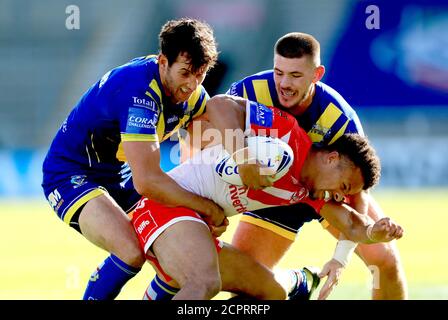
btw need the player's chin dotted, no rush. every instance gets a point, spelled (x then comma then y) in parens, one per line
(183, 96)
(287, 103)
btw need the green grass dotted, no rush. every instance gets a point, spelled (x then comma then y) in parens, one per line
(41, 258)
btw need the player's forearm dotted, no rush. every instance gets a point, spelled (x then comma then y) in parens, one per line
(352, 224)
(198, 135)
(227, 115)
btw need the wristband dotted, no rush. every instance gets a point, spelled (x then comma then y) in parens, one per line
(344, 250)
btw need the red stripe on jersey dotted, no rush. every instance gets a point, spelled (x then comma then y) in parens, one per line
(287, 129)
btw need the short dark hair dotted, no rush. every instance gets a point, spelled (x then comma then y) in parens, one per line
(359, 151)
(297, 45)
(190, 36)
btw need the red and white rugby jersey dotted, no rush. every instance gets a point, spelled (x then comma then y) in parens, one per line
(198, 174)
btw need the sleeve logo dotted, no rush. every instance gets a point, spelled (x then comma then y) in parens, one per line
(141, 121)
(260, 115)
(141, 102)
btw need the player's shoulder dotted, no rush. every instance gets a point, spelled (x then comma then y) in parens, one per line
(140, 67)
(262, 75)
(327, 95)
(136, 72)
(328, 103)
(265, 74)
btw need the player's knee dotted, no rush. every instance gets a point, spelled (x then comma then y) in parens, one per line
(386, 265)
(389, 266)
(131, 254)
(212, 286)
(206, 286)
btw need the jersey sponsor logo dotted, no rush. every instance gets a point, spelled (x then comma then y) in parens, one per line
(141, 204)
(225, 169)
(172, 119)
(125, 174)
(260, 115)
(319, 130)
(78, 181)
(64, 126)
(299, 195)
(142, 122)
(55, 200)
(237, 199)
(104, 79)
(222, 168)
(140, 119)
(232, 91)
(141, 102)
(280, 113)
(95, 275)
(142, 226)
(144, 223)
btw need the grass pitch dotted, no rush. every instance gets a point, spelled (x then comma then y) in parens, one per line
(41, 258)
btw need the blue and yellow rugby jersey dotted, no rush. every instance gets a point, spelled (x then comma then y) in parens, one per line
(327, 118)
(127, 104)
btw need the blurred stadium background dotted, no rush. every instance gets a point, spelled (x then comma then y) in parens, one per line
(396, 77)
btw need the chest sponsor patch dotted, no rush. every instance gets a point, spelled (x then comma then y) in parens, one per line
(141, 121)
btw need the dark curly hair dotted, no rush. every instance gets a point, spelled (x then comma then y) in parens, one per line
(190, 36)
(361, 153)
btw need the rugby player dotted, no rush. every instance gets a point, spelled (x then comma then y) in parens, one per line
(294, 86)
(179, 244)
(106, 155)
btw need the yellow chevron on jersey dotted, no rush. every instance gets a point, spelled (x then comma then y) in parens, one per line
(340, 132)
(262, 93)
(259, 87)
(195, 107)
(161, 127)
(155, 87)
(324, 123)
(194, 99)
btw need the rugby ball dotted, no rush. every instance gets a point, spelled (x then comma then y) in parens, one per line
(273, 154)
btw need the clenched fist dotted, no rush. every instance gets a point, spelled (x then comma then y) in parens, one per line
(384, 230)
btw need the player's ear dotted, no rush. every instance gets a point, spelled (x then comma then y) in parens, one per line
(318, 73)
(163, 60)
(333, 157)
